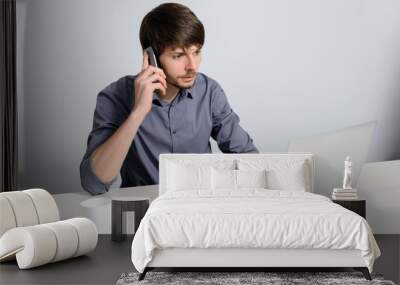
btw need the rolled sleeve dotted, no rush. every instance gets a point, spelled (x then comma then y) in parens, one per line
(111, 110)
(226, 131)
(90, 182)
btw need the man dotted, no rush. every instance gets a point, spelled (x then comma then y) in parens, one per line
(133, 124)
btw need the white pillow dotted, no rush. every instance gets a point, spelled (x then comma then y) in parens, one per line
(282, 174)
(183, 177)
(223, 179)
(229, 179)
(288, 178)
(251, 178)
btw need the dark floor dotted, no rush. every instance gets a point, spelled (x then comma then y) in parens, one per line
(102, 266)
(389, 262)
(111, 259)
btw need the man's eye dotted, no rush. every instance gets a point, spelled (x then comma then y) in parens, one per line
(197, 52)
(176, 56)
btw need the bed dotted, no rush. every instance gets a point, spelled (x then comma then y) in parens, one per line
(244, 211)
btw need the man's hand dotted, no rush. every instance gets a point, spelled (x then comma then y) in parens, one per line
(149, 79)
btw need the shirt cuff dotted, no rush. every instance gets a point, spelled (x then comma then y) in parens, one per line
(89, 180)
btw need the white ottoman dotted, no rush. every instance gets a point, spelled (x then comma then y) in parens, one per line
(31, 232)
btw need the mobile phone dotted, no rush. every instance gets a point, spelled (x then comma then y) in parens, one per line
(152, 56)
(153, 61)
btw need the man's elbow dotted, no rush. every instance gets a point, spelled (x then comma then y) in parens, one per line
(89, 181)
(254, 151)
(91, 189)
(250, 147)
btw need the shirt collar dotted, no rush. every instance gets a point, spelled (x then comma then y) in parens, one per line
(187, 92)
(157, 100)
(182, 92)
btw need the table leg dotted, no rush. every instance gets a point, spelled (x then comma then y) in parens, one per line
(116, 221)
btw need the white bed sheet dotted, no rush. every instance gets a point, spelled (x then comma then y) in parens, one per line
(250, 218)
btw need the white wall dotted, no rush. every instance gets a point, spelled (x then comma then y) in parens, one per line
(379, 184)
(291, 69)
(331, 149)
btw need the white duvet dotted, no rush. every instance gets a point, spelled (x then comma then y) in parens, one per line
(250, 218)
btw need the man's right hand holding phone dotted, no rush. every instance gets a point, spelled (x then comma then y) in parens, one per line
(147, 82)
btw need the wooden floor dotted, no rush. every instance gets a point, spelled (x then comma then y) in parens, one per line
(111, 259)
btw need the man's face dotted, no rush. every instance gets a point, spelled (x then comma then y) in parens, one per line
(180, 65)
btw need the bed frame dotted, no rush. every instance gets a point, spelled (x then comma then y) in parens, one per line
(244, 259)
(262, 259)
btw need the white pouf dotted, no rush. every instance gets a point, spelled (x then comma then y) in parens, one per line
(31, 232)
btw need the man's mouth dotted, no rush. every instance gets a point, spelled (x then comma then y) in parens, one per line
(188, 76)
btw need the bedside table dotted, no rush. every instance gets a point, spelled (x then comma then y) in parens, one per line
(357, 206)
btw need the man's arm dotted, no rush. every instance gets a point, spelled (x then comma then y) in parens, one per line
(226, 131)
(107, 159)
(115, 124)
(108, 143)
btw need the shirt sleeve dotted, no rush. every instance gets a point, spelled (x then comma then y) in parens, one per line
(226, 131)
(110, 112)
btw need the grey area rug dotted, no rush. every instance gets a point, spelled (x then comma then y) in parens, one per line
(273, 278)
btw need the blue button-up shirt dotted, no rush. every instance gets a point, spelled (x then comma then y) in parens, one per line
(184, 125)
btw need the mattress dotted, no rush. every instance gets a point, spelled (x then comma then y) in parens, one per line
(250, 218)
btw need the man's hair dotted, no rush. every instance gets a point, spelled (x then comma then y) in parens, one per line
(170, 25)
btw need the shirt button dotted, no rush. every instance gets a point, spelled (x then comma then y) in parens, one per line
(174, 131)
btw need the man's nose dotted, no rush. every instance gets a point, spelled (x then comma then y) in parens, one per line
(191, 63)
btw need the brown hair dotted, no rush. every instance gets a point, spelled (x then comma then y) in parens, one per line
(170, 24)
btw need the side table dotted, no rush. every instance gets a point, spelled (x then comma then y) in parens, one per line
(119, 205)
(357, 206)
